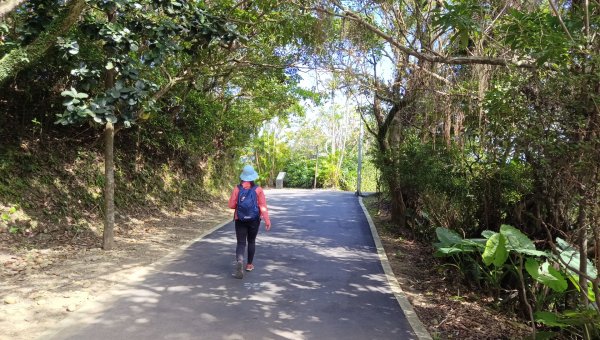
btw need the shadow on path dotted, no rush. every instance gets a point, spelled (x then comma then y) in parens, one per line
(317, 276)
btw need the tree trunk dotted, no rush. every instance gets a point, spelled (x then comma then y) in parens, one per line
(398, 208)
(109, 165)
(448, 128)
(109, 187)
(583, 245)
(398, 205)
(483, 76)
(395, 137)
(458, 128)
(139, 162)
(19, 58)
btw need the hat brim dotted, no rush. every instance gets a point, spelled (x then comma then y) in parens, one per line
(249, 178)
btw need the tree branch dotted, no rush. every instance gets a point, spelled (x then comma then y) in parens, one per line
(562, 23)
(462, 60)
(19, 58)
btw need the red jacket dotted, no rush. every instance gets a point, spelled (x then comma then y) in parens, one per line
(262, 201)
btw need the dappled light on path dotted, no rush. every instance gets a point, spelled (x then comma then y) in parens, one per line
(317, 276)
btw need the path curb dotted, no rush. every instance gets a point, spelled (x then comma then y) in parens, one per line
(412, 317)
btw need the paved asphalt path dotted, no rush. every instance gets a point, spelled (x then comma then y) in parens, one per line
(317, 276)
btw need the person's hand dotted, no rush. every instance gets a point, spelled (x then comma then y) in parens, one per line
(268, 226)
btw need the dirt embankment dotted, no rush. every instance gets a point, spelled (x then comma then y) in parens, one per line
(448, 308)
(42, 285)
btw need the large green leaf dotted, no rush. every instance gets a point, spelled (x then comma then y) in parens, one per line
(516, 240)
(495, 250)
(575, 281)
(546, 274)
(568, 318)
(488, 233)
(447, 236)
(552, 278)
(581, 317)
(532, 266)
(477, 242)
(452, 243)
(571, 259)
(534, 252)
(73, 94)
(519, 242)
(549, 319)
(449, 251)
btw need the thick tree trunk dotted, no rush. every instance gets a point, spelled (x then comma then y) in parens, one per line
(398, 204)
(395, 137)
(19, 58)
(109, 187)
(398, 208)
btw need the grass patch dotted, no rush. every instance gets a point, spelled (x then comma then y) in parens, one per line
(59, 189)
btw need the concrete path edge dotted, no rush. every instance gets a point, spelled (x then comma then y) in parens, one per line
(413, 319)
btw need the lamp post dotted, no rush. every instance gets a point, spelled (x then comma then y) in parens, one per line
(316, 168)
(359, 170)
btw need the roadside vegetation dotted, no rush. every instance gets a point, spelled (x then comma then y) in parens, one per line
(481, 127)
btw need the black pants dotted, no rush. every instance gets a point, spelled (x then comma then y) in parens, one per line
(246, 231)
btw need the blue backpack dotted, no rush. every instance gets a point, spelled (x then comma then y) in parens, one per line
(247, 205)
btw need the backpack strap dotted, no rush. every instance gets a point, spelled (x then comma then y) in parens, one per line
(240, 188)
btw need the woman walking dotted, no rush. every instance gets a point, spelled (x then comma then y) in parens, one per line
(250, 204)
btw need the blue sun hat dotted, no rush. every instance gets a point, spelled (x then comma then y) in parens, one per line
(248, 174)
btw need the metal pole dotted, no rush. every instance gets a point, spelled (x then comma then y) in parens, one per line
(316, 168)
(358, 173)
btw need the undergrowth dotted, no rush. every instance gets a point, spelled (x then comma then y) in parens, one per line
(58, 189)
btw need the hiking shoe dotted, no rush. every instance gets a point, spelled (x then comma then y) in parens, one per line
(249, 267)
(239, 272)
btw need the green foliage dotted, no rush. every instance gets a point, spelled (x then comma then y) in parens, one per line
(62, 191)
(440, 188)
(511, 243)
(137, 37)
(18, 58)
(300, 173)
(569, 319)
(572, 320)
(327, 145)
(495, 250)
(546, 274)
(6, 218)
(182, 71)
(539, 34)
(518, 242)
(452, 245)
(460, 17)
(6, 215)
(570, 258)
